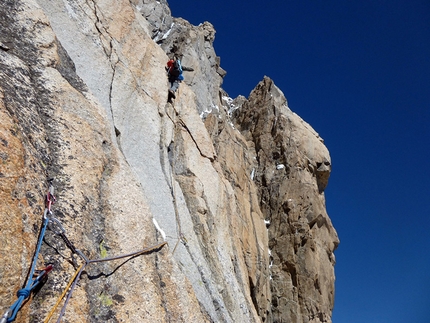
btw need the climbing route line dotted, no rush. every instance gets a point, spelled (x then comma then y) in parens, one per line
(178, 220)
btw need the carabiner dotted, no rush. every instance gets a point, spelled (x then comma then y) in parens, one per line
(5, 316)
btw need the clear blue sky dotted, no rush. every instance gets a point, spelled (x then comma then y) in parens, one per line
(359, 73)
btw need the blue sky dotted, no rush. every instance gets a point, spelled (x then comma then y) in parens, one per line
(359, 73)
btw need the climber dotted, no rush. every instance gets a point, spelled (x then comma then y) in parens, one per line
(174, 70)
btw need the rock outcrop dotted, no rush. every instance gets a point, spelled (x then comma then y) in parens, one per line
(236, 187)
(291, 174)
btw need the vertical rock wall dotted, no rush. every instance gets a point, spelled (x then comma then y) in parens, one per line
(83, 101)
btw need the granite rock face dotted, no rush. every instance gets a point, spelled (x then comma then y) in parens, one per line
(292, 171)
(234, 186)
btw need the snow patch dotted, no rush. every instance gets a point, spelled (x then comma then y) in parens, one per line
(206, 112)
(163, 234)
(158, 38)
(252, 174)
(280, 166)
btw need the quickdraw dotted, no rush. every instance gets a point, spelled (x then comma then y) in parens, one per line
(41, 275)
(32, 283)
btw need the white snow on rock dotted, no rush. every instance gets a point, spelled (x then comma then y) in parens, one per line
(163, 234)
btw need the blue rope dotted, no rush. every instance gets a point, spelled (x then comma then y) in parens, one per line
(24, 293)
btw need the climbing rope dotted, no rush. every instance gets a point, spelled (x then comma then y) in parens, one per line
(178, 220)
(79, 271)
(32, 283)
(55, 226)
(48, 318)
(180, 236)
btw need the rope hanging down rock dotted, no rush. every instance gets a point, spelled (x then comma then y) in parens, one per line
(55, 226)
(79, 271)
(48, 318)
(32, 283)
(180, 235)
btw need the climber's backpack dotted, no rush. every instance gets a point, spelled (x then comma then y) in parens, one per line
(176, 68)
